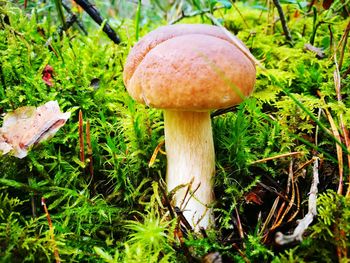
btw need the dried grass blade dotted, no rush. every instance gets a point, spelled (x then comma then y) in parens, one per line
(277, 157)
(81, 137)
(155, 153)
(339, 150)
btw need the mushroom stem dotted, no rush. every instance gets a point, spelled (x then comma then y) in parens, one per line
(190, 156)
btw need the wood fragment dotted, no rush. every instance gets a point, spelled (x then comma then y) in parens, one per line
(318, 51)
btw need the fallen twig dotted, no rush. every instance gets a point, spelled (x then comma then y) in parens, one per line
(70, 21)
(95, 15)
(318, 51)
(182, 218)
(303, 224)
(222, 111)
(283, 20)
(78, 22)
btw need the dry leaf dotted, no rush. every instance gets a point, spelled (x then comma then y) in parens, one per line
(47, 75)
(27, 126)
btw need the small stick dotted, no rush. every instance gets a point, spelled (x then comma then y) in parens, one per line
(241, 253)
(81, 137)
(95, 15)
(301, 167)
(283, 20)
(222, 111)
(56, 254)
(70, 21)
(182, 218)
(303, 224)
(166, 199)
(80, 25)
(189, 186)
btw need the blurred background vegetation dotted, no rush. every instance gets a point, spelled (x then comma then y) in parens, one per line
(111, 205)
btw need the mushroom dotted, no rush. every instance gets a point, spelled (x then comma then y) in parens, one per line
(188, 70)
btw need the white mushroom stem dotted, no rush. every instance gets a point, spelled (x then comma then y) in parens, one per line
(190, 156)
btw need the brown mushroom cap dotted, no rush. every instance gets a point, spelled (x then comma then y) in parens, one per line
(188, 67)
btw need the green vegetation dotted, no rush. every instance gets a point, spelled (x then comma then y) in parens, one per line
(119, 213)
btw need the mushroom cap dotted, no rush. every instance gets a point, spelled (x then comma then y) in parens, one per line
(188, 67)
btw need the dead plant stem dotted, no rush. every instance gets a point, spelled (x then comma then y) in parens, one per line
(81, 137)
(56, 254)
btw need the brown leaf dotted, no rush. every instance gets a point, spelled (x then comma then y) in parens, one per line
(327, 4)
(255, 196)
(47, 75)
